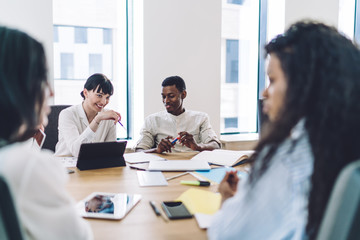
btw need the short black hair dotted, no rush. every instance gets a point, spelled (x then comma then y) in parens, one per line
(23, 80)
(175, 80)
(100, 80)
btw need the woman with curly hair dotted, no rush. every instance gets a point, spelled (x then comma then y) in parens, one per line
(313, 103)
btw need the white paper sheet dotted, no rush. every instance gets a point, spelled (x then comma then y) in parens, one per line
(141, 157)
(178, 165)
(204, 220)
(68, 161)
(147, 179)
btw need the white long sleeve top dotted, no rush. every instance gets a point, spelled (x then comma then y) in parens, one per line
(74, 130)
(276, 206)
(163, 124)
(37, 183)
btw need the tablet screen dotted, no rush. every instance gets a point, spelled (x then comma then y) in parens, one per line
(100, 204)
(107, 205)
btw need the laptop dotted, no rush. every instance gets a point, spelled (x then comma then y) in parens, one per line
(101, 155)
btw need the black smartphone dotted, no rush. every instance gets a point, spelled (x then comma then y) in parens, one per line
(176, 210)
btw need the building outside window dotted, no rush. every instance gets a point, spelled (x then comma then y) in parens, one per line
(239, 66)
(95, 63)
(90, 37)
(80, 35)
(67, 65)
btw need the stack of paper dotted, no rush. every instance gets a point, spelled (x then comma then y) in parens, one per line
(141, 157)
(224, 157)
(178, 165)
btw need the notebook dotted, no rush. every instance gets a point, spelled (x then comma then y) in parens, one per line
(149, 179)
(224, 157)
(178, 165)
(101, 155)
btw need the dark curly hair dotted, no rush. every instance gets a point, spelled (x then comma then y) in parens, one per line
(323, 77)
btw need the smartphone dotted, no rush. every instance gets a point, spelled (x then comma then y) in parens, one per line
(176, 210)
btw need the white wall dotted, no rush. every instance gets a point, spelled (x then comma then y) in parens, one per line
(33, 17)
(183, 37)
(326, 11)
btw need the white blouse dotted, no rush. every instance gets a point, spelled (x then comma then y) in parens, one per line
(74, 130)
(37, 183)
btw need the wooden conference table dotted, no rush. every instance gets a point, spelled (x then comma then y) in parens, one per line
(141, 222)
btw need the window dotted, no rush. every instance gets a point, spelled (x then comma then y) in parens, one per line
(232, 61)
(357, 22)
(95, 63)
(91, 37)
(107, 36)
(231, 122)
(67, 65)
(239, 2)
(346, 17)
(239, 66)
(80, 35)
(56, 34)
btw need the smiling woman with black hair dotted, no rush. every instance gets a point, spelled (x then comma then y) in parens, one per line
(90, 121)
(36, 180)
(313, 106)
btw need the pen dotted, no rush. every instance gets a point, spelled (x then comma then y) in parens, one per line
(196, 183)
(176, 176)
(121, 124)
(152, 204)
(197, 177)
(174, 141)
(156, 210)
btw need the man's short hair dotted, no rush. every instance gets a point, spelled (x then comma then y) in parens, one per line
(175, 80)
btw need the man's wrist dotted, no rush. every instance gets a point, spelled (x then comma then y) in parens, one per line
(198, 148)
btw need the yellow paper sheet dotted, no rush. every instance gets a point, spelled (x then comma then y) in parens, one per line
(200, 201)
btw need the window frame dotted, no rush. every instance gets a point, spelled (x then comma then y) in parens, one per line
(261, 74)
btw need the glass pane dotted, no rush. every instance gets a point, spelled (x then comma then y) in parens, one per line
(67, 65)
(95, 63)
(275, 18)
(347, 17)
(232, 61)
(56, 34)
(107, 35)
(240, 36)
(80, 35)
(239, 2)
(90, 37)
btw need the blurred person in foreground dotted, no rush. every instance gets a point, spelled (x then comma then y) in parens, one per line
(313, 106)
(35, 179)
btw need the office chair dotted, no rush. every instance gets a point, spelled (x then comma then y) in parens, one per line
(341, 220)
(9, 223)
(51, 129)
